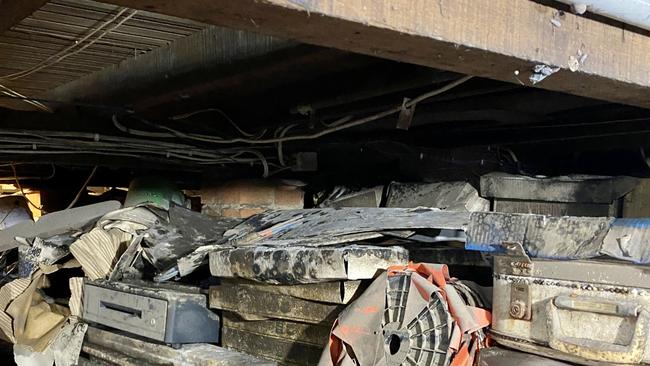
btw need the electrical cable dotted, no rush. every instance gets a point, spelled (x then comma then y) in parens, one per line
(339, 127)
(262, 159)
(128, 145)
(221, 113)
(11, 179)
(441, 90)
(94, 137)
(337, 122)
(20, 188)
(10, 92)
(81, 49)
(283, 131)
(75, 44)
(76, 143)
(83, 188)
(279, 170)
(63, 54)
(136, 132)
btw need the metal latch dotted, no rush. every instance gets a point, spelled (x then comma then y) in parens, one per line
(520, 303)
(515, 262)
(518, 263)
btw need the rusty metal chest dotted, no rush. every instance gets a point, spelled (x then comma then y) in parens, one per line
(586, 312)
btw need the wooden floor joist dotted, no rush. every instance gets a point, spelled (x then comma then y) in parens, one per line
(497, 39)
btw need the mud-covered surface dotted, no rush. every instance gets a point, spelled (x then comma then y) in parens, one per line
(316, 334)
(496, 356)
(583, 189)
(345, 197)
(55, 223)
(319, 223)
(169, 313)
(183, 232)
(104, 344)
(163, 238)
(487, 231)
(245, 300)
(285, 351)
(569, 318)
(554, 208)
(332, 292)
(628, 239)
(67, 346)
(542, 236)
(167, 291)
(452, 196)
(294, 265)
(586, 286)
(601, 271)
(566, 237)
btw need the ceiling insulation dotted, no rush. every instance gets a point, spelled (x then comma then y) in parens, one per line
(67, 39)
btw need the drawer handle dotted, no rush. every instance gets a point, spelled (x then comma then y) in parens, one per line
(631, 353)
(121, 309)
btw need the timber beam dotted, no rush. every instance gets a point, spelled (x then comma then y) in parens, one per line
(497, 39)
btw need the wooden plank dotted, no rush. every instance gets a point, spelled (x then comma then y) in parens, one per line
(115, 347)
(164, 73)
(497, 39)
(13, 11)
(284, 351)
(252, 303)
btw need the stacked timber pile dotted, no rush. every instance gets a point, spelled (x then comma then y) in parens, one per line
(289, 324)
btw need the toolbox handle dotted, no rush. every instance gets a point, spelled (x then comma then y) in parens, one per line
(598, 350)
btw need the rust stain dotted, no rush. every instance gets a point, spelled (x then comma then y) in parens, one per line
(352, 330)
(368, 310)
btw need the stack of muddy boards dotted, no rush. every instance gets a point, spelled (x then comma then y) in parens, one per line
(289, 324)
(285, 276)
(108, 348)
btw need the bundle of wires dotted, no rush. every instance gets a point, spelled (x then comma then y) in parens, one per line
(338, 125)
(281, 134)
(50, 143)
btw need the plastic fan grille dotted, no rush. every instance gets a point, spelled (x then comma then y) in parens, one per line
(415, 336)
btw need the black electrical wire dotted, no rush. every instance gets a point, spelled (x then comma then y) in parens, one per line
(83, 188)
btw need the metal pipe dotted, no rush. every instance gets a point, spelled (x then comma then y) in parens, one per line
(633, 12)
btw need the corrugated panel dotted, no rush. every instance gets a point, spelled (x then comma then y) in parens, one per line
(61, 23)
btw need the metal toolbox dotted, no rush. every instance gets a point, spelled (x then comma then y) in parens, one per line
(586, 312)
(173, 315)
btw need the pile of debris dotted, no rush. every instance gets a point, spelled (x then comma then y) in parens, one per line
(334, 285)
(287, 275)
(108, 265)
(46, 287)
